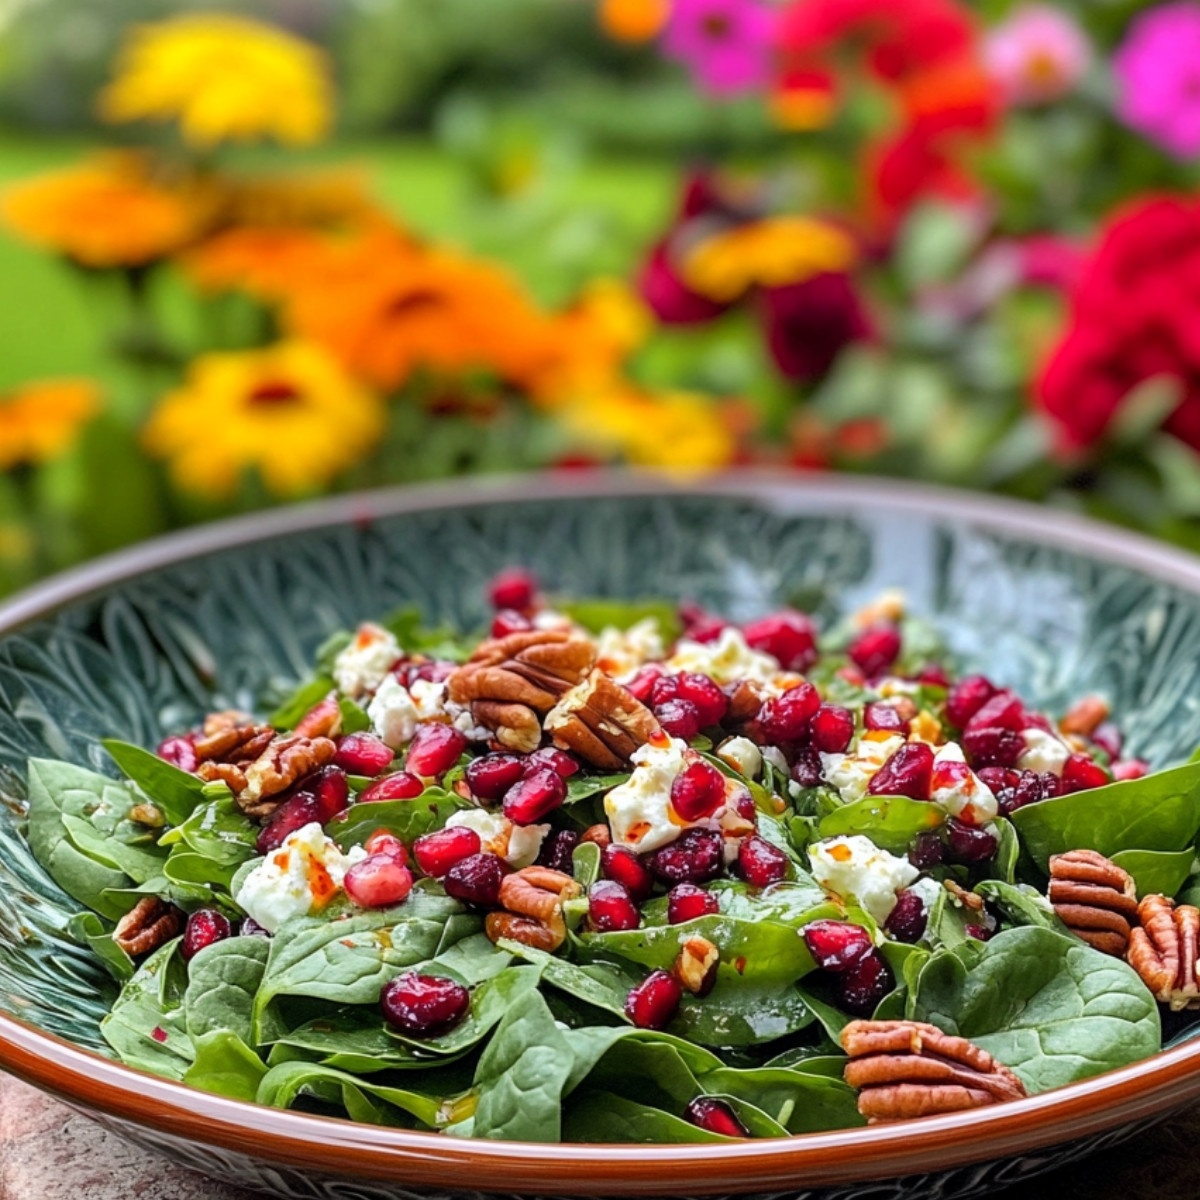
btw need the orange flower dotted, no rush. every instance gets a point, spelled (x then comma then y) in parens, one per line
(633, 20)
(40, 421)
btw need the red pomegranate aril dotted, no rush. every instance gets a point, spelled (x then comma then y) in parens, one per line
(654, 1001)
(665, 687)
(507, 621)
(435, 748)
(697, 791)
(611, 908)
(865, 984)
(530, 799)
(879, 715)
(1109, 738)
(293, 814)
(926, 850)
(806, 768)
(492, 775)
(909, 772)
(832, 728)
(1130, 768)
(514, 587)
(424, 1005)
(715, 1116)
(934, 675)
(875, 650)
(992, 746)
(967, 844)
(679, 718)
(178, 751)
(966, 698)
(785, 718)
(558, 849)
(204, 928)
(699, 625)
(906, 922)
(557, 760)
(476, 879)
(251, 928)
(332, 791)
(696, 856)
(622, 866)
(743, 804)
(437, 852)
(709, 701)
(836, 945)
(383, 842)
(788, 636)
(760, 863)
(641, 686)
(437, 670)
(1080, 774)
(686, 902)
(1014, 789)
(378, 881)
(400, 785)
(1004, 710)
(363, 754)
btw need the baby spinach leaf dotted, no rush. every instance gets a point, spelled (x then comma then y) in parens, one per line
(891, 822)
(603, 1117)
(471, 960)
(583, 787)
(595, 615)
(800, 1101)
(222, 982)
(585, 864)
(649, 1068)
(145, 1025)
(186, 868)
(288, 714)
(602, 985)
(354, 717)
(406, 819)
(219, 831)
(1046, 1005)
(408, 625)
(89, 930)
(282, 1085)
(1157, 871)
(1008, 850)
(831, 1018)
(742, 1012)
(174, 791)
(226, 1066)
(1020, 904)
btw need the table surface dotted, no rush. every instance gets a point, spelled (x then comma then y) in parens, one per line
(50, 1152)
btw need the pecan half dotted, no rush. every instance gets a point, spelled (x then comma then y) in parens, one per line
(1163, 949)
(905, 1069)
(281, 764)
(745, 700)
(231, 737)
(149, 924)
(1094, 898)
(600, 721)
(532, 899)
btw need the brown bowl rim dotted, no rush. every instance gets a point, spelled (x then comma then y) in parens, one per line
(92, 1082)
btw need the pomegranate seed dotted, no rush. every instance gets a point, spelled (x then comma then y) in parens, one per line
(434, 750)
(557, 850)
(437, 852)
(424, 1005)
(832, 728)
(621, 865)
(1080, 774)
(992, 747)
(875, 649)
(251, 928)
(178, 751)
(980, 933)
(507, 621)
(204, 928)
(555, 759)
(383, 842)
(788, 636)
(679, 718)
(743, 804)
(1004, 710)
(400, 785)
(476, 879)
(664, 688)
(378, 881)
(1108, 737)
(836, 945)
(906, 922)
(909, 772)
(302, 809)
(697, 791)
(709, 701)
(331, 790)
(434, 671)
(999, 779)
(926, 851)
(652, 1003)
(715, 1116)
(806, 769)
(1014, 789)
(695, 857)
(492, 775)
(785, 718)
(699, 625)
(1130, 768)
(966, 698)
(610, 907)
(539, 793)
(886, 717)
(686, 902)
(363, 754)
(1038, 721)
(641, 686)
(760, 863)
(862, 987)
(934, 674)
(967, 844)
(514, 587)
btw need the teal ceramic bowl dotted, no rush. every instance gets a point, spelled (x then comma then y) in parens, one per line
(147, 641)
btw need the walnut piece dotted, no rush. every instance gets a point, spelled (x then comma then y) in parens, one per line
(149, 924)
(906, 1069)
(1094, 898)
(1163, 948)
(601, 722)
(231, 737)
(532, 899)
(696, 966)
(281, 764)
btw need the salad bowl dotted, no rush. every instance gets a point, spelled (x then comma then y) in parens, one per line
(147, 641)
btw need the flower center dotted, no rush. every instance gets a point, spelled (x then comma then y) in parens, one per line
(418, 300)
(716, 26)
(274, 392)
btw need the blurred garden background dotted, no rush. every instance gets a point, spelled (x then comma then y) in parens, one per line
(263, 251)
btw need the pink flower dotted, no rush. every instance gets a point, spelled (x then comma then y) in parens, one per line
(726, 43)
(1158, 72)
(1037, 55)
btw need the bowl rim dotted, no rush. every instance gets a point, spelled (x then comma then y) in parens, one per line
(94, 1083)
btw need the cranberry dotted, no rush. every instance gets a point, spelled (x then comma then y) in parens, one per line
(906, 922)
(507, 621)
(806, 768)
(378, 881)
(967, 844)
(926, 850)
(1080, 773)
(178, 751)
(875, 649)
(434, 749)
(1003, 710)
(293, 814)
(383, 842)
(641, 686)
(832, 728)
(621, 865)
(204, 928)
(555, 759)
(539, 793)
(695, 857)
(686, 902)
(836, 945)
(711, 704)
(715, 1116)
(437, 852)
(697, 791)
(476, 879)
(934, 675)
(400, 785)
(514, 587)
(760, 863)
(999, 779)
(1014, 789)
(557, 850)
(992, 746)
(785, 718)
(363, 754)
(680, 718)
(492, 775)
(610, 907)
(909, 772)
(424, 1005)
(434, 671)
(862, 987)
(664, 688)
(1108, 737)
(879, 715)
(743, 804)
(788, 636)
(699, 625)
(652, 1003)
(966, 698)
(980, 933)
(251, 928)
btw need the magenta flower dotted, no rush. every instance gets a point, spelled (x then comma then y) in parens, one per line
(1037, 55)
(725, 43)
(1158, 72)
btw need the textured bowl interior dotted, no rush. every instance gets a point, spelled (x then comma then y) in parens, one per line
(1037, 602)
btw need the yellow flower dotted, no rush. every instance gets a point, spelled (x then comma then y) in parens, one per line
(329, 197)
(106, 212)
(40, 421)
(771, 252)
(224, 78)
(288, 410)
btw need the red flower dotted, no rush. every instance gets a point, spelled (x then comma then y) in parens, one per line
(807, 325)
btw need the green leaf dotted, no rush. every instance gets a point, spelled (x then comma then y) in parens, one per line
(1161, 872)
(222, 982)
(891, 822)
(282, 1085)
(89, 930)
(219, 831)
(408, 626)
(174, 791)
(597, 615)
(585, 864)
(226, 1066)
(602, 985)
(582, 787)
(354, 718)
(603, 1117)
(288, 714)
(1020, 904)
(800, 1101)
(145, 1025)
(406, 819)
(741, 1012)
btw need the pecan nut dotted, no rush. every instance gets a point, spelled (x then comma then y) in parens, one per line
(601, 722)
(532, 901)
(1094, 898)
(905, 1069)
(231, 737)
(1084, 717)
(282, 763)
(149, 924)
(1163, 948)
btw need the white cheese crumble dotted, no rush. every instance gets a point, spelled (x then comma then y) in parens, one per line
(727, 659)
(638, 810)
(855, 868)
(1043, 752)
(958, 790)
(393, 714)
(742, 755)
(621, 652)
(364, 664)
(928, 890)
(851, 773)
(518, 845)
(777, 759)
